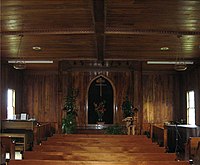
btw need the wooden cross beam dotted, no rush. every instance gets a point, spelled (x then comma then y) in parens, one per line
(99, 24)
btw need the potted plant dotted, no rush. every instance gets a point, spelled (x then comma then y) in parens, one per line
(69, 120)
(127, 108)
(115, 129)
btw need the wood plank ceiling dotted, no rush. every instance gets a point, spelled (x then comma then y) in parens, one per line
(100, 31)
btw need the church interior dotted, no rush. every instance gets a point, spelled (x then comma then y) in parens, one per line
(100, 82)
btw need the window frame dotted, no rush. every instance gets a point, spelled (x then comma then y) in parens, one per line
(190, 120)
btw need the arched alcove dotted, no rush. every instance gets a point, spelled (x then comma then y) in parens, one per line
(100, 90)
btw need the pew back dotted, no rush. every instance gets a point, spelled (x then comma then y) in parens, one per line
(60, 162)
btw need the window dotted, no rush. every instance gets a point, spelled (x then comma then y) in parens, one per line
(10, 103)
(190, 108)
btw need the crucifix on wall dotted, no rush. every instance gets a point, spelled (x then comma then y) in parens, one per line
(100, 82)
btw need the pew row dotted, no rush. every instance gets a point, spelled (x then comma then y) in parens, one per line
(7, 146)
(61, 162)
(94, 140)
(192, 145)
(104, 149)
(98, 135)
(82, 156)
(116, 144)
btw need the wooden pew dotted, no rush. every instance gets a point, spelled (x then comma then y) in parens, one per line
(191, 147)
(21, 140)
(61, 162)
(104, 149)
(109, 152)
(64, 143)
(100, 139)
(94, 136)
(82, 156)
(158, 134)
(197, 155)
(98, 135)
(8, 146)
(41, 132)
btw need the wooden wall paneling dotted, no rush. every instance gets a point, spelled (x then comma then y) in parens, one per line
(138, 92)
(59, 95)
(3, 100)
(176, 98)
(41, 92)
(157, 98)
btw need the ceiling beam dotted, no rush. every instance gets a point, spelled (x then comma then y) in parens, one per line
(127, 31)
(48, 31)
(108, 30)
(99, 24)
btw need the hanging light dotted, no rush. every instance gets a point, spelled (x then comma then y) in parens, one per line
(19, 64)
(180, 64)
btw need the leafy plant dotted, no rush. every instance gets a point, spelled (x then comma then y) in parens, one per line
(70, 101)
(69, 124)
(69, 121)
(115, 130)
(127, 108)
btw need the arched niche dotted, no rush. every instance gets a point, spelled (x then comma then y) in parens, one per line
(100, 89)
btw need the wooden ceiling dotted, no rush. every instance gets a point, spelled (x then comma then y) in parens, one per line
(100, 31)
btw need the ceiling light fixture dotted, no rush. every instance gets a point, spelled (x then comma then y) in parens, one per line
(37, 48)
(19, 64)
(33, 62)
(164, 48)
(169, 62)
(180, 62)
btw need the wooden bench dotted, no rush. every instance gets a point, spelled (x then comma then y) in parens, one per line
(99, 136)
(21, 140)
(41, 132)
(7, 146)
(104, 149)
(197, 155)
(100, 139)
(99, 156)
(61, 162)
(66, 143)
(191, 147)
(158, 134)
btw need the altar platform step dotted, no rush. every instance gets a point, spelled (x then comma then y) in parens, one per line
(95, 129)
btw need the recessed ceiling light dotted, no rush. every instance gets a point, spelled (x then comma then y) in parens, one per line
(164, 48)
(37, 48)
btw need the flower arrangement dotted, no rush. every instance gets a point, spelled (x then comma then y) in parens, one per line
(100, 109)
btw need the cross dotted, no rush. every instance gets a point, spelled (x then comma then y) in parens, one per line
(100, 81)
